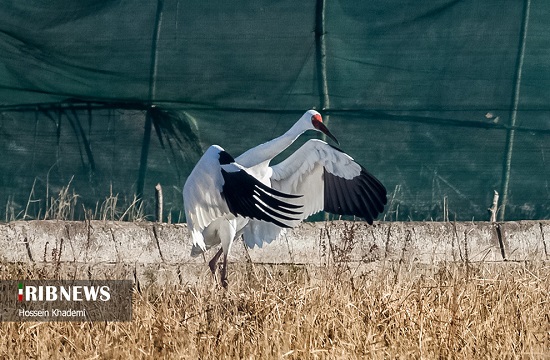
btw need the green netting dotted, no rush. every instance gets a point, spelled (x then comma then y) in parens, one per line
(432, 97)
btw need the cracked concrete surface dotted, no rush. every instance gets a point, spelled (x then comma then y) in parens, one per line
(160, 253)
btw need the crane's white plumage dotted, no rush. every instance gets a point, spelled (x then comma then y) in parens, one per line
(306, 172)
(303, 173)
(320, 176)
(219, 197)
(202, 204)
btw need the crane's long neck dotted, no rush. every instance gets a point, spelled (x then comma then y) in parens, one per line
(265, 152)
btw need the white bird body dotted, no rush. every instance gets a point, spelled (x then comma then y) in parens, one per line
(320, 176)
(207, 210)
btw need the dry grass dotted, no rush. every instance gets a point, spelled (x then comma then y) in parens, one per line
(479, 311)
(66, 204)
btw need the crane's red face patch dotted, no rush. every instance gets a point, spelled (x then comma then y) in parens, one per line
(317, 122)
(316, 118)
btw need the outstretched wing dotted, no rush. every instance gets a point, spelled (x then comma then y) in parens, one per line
(330, 180)
(219, 187)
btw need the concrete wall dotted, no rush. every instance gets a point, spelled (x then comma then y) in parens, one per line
(151, 252)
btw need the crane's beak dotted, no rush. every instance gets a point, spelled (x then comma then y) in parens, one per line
(322, 128)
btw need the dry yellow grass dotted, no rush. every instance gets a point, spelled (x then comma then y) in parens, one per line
(479, 311)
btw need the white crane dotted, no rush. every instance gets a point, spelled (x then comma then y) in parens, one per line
(314, 178)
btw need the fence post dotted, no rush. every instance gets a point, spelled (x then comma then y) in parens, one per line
(158, 192)
(507, 166)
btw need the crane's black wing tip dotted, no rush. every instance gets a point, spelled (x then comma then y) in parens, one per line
(248, 197)
(278, 193)
(362, 196)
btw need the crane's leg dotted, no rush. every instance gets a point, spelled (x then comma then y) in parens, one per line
(214, 262)
(224, 272)
(227, 233)
(213, 265)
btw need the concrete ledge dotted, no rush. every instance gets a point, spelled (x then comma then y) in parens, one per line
(151, 252)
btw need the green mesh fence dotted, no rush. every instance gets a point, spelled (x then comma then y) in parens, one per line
(445, 101)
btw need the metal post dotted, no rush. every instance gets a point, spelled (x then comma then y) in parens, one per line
(154, 54)
(507, 166)
(321, 61)
(152, 95)
(321, 55)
